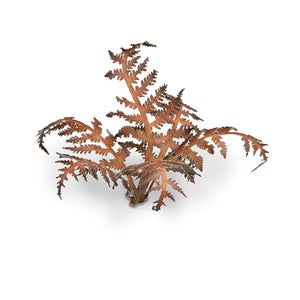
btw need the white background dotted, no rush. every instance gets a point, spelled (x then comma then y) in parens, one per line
(236, 235)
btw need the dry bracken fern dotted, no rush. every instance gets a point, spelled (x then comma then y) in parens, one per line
(179, 146)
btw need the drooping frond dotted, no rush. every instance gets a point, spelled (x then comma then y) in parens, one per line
(215, 135)
(68, 126)
(256, 144)
(193, 157)
(76, 166)
(205, 145)
(65, 126)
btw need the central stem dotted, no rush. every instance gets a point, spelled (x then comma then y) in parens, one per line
(141, 190)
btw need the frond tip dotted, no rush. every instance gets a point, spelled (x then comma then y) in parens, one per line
(163, 130)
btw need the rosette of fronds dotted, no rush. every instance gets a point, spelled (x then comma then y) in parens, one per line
(161, 128)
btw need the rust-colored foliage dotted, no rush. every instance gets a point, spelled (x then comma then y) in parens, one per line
(177, 146)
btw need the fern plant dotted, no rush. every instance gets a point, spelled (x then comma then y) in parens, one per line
(174, 149)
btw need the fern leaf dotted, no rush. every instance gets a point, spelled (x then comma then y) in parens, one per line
(127, 103)
(189, 107)
(185, 122)
(142, 90)
(114, 164)
(159, 138)
(84, 138)
(175, 186)
(246, 144)
(142, 67)
(137, 132)
(205, 145)
(116, 58)
(182, 168)
(132, 63)
(97, 126)
(217, 139)
(193, 157)
(89, 148)
(115, 73)
(129, 118)
(69, 123)
(152, 100)
(140, 148)
(165, 115)
(82, 167)
(147, 44)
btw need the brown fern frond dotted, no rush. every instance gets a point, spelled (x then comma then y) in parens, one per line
(256, 144)
(77, 166)
(69, 123)
(161, 122)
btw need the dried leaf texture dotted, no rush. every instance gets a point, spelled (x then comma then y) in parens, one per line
(179, 147)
